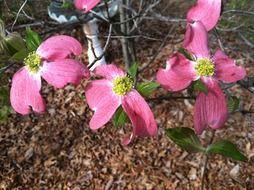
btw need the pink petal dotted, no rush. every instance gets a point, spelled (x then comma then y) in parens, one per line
(59, 47)
(61, 72)
(211, 109)
(86, 5)
(178, 74)
(109, 72)
(25, 92)
(226, 69)
(206, 11)
(140, 115)
(102, 100)
(196, 40)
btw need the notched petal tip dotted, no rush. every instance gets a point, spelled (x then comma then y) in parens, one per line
(196, 40)
(140, 115)
(59, 47)
(128, 140)
(62, 72)
(206, 11)
(25, 93)
(226, 68)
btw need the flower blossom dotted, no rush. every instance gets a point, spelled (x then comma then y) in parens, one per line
(205, 11)
(104, 96)
(52, 62)
(86, 5)
(210, 109)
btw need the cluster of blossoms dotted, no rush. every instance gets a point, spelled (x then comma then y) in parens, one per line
(55, 61)
(210, 108)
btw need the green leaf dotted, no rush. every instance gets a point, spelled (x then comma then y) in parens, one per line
(147, 88)
(200, 86)
(227, 149)
(20, 55)
(120, 117)
(133, 70)
(186, 53)
(67, 5)
(33, 40)
(185, 138)
(15, 41)
(233, 104)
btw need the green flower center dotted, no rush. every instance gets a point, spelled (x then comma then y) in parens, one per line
(122, 85)
(205, 67)
(33, 62)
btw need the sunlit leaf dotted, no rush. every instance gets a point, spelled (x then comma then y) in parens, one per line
(147, 88)
(227, 149)
(133, 70)
(33, 40)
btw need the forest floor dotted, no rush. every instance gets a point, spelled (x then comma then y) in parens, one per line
(57, 150)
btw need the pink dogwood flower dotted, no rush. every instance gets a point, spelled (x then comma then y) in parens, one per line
(205, 11)
(104, 96)
(52, 62)
(210, 109)
(86, 5)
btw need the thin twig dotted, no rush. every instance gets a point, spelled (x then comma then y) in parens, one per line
(242, 12)
(124, 41)
(219, 40)
(6, 67)
(159, 49)
(161, 98)
(17, 16)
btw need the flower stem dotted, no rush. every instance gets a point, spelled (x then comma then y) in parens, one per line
(206, 159)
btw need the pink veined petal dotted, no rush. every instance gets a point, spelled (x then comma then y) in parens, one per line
(196, 40)
(140, 115)
(109, 72)
(178, 74)
(59, 47)
(25, 92)
(206, 11)
(63, 71)
(225, 68)
(102, 101)
(86, 5)
(211, 109)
